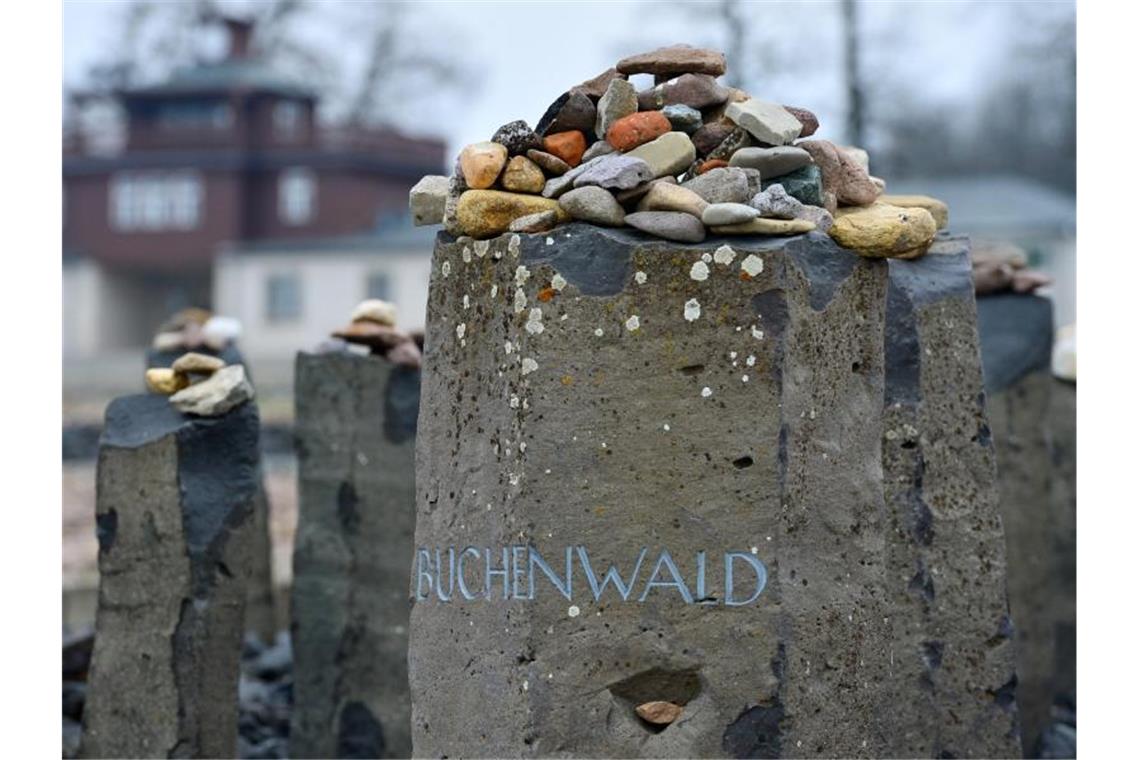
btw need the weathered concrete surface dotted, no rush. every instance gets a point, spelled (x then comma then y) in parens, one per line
(952, 632)
(261, 617)
(589, 433)
(1016, 337)
(174, 508)
(1063, 440)
(355, 429)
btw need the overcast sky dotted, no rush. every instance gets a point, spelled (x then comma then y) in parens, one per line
(520, 56)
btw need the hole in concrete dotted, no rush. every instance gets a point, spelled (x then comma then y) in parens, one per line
(742, 462)
(856, 366)
(657, 685)
(692, 369)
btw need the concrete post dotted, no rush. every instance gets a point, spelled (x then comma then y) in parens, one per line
(1017, 338)
(355, 430)
(174, 505)
(952, 630)
(260, 609)
(707, 419)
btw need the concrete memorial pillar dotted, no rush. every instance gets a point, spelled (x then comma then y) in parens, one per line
(355, 434)
(260, 612)
(947, 558)
(174, 510)
(651, 512)
(1017, 339)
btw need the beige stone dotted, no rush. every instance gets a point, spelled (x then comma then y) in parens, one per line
(486, 213)
(481, 163)
(523, 176)
(199, 363)
(939, 210)
(659, 713)
(884, 231)
(766, 227)
(671, 153)
(165, 380)
(665, 196)
(221, 392)
(375, 310)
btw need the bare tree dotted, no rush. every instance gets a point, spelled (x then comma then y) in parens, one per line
(852, 74)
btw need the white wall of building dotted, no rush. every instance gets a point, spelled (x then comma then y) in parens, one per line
(330, 283)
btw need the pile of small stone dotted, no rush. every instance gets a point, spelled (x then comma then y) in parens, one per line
(201, 384)
(373, 324)
(679, 160)
(194, 328)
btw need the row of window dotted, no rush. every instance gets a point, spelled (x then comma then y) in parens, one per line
(288, 116)
(174, 200)
(283, 301)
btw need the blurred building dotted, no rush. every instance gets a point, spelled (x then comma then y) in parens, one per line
(228, 156)
(1039, 218)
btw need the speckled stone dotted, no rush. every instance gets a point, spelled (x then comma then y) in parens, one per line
(722, 185)
(517, 137)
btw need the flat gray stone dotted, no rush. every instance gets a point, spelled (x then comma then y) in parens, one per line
(593, 204)
(720, 185)
(716, 214)
(769, 123)
(600, 148)
(670, 225)
(771, 162)
(615, 170)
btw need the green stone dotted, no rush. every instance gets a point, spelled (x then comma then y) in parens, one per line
(805, 185)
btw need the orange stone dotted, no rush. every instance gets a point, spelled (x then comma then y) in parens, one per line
(628, 132)
(569, 146)
(712, 163)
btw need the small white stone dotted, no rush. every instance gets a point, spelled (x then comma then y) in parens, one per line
(461, 329)
(633, 323)
(508, 346)
(481, 248)
(494, 290)
(706, 392)
(665, 427)
(731, 354)
(744, 378)
(599, 332)
(692, 310)
(572, 612)
(640, 277)
(513, 245)
(699, 271)
(514, 402)
(752, 265)
(534, 322)
(445, 268)
(724, 255)
(520, 301)
(706, 257)
(751, 360)
(529, 365)
(521, 275)
(466, 301)
(757, 333)
(558, 282)
(466, 254)
(550, 241)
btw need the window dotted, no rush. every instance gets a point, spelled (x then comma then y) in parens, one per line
(150, 201)
(282, 297)
(379, 286)
(296, 193)
(195, 114)
(287, 119)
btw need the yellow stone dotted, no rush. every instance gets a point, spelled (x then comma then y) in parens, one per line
(764, 226)
(523, 176)
(486, 213)
(481, 163)
(659, 713)
(939, 210)
(884, 231)
(165, 381)
(665, 196)
(195, 362)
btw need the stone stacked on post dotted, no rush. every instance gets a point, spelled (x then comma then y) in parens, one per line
(684, 126)
(174, 512)
(636, 458)
(194, 358)
(952, 631)
(355, 433)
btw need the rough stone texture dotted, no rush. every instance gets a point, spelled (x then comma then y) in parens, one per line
(486, 213)
(789, 462)
(672, 60)
(517, 137)
(173, 515)
(260, 608)
(616, 171)
(1037, 501)
(523, 176)
(356, 423)
(845, 181)
(805, 185)
(806, 118)
(769, 123)
(951, 631)
(619, 101)
(694, 90)
(884, 231)
(573, 110)
(216, 395)
(720, 185)
(938, 209)
(428, 199)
